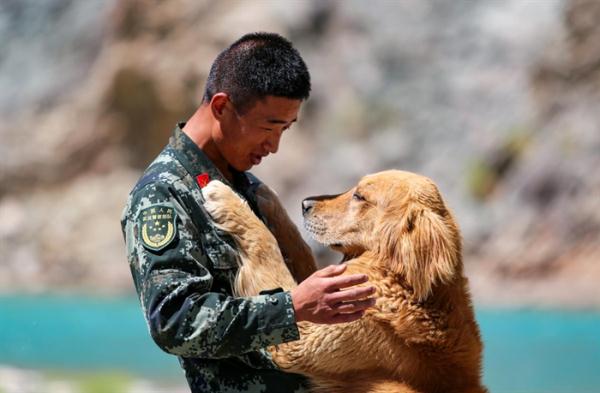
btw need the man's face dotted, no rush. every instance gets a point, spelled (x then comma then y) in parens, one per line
(244, 139)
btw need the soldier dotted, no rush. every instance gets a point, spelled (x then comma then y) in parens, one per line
(183, 267)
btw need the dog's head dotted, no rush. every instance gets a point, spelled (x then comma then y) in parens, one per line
(399, 216)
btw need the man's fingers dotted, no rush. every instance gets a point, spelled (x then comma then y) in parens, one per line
(328, 296)
(352, 307)
(337, 283)
(349, 294)
(331, 270)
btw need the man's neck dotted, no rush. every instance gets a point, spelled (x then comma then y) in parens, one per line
(199, 129)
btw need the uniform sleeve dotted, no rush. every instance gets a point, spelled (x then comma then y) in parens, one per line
(173, 280)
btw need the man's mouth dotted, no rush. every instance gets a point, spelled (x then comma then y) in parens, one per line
(256, 159)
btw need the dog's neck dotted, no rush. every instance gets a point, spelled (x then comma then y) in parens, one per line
(443, 297)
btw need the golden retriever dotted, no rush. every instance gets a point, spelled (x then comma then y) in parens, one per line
(421, 336)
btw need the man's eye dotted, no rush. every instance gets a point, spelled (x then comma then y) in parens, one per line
(266, 129)
(357, 197)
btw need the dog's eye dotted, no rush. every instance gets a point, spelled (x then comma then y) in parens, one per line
(357, 197)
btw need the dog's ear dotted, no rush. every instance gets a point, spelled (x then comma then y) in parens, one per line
(424, 246)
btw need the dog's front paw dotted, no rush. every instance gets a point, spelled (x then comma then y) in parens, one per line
(228, 211)
(218, 192)
(220, 201)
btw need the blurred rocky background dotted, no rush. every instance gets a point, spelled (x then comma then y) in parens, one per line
(497, 101)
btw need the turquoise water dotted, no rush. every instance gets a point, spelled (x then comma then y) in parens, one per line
(525, 350)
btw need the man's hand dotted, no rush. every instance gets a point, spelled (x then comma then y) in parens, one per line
(321, 298)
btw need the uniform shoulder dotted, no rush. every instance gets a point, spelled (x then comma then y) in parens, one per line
(156, 185)
(164, 169)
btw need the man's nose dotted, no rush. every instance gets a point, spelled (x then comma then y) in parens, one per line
(272, 143)
(307, 205)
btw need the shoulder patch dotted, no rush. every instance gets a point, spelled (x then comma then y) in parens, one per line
(157, 226)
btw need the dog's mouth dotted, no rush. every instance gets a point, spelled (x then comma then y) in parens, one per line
(343, 248)
(346, 258)
(348, 252)
(318, 231)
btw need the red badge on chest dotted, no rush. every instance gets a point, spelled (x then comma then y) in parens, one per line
(202, 179)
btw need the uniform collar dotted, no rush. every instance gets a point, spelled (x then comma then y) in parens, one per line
(199, 163)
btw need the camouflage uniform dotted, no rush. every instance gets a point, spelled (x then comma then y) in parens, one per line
(183, 269)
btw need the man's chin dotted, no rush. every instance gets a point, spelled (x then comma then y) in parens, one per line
(241, 167)
(255, 160)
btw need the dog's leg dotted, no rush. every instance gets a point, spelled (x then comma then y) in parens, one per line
(262, 266)
(296, 253)
(354, 385)
(330, 351)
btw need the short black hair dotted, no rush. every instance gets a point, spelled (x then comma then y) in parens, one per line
(255, 66)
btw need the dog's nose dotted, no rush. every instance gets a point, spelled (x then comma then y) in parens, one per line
(307, 204)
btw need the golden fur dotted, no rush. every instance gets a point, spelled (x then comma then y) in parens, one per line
(393, 226)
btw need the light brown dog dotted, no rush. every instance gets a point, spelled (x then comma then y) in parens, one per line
(393, 226)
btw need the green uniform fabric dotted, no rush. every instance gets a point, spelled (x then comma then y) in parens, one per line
(183, 268)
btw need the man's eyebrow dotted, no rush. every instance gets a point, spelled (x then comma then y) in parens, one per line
(277, 121)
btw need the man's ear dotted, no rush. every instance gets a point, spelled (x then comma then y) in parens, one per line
(423, 247)
(218, 105)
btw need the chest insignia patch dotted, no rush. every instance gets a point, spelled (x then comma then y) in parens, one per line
(157, 226)
(203, 179)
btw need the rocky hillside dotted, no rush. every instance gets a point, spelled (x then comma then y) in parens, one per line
(496, 101)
